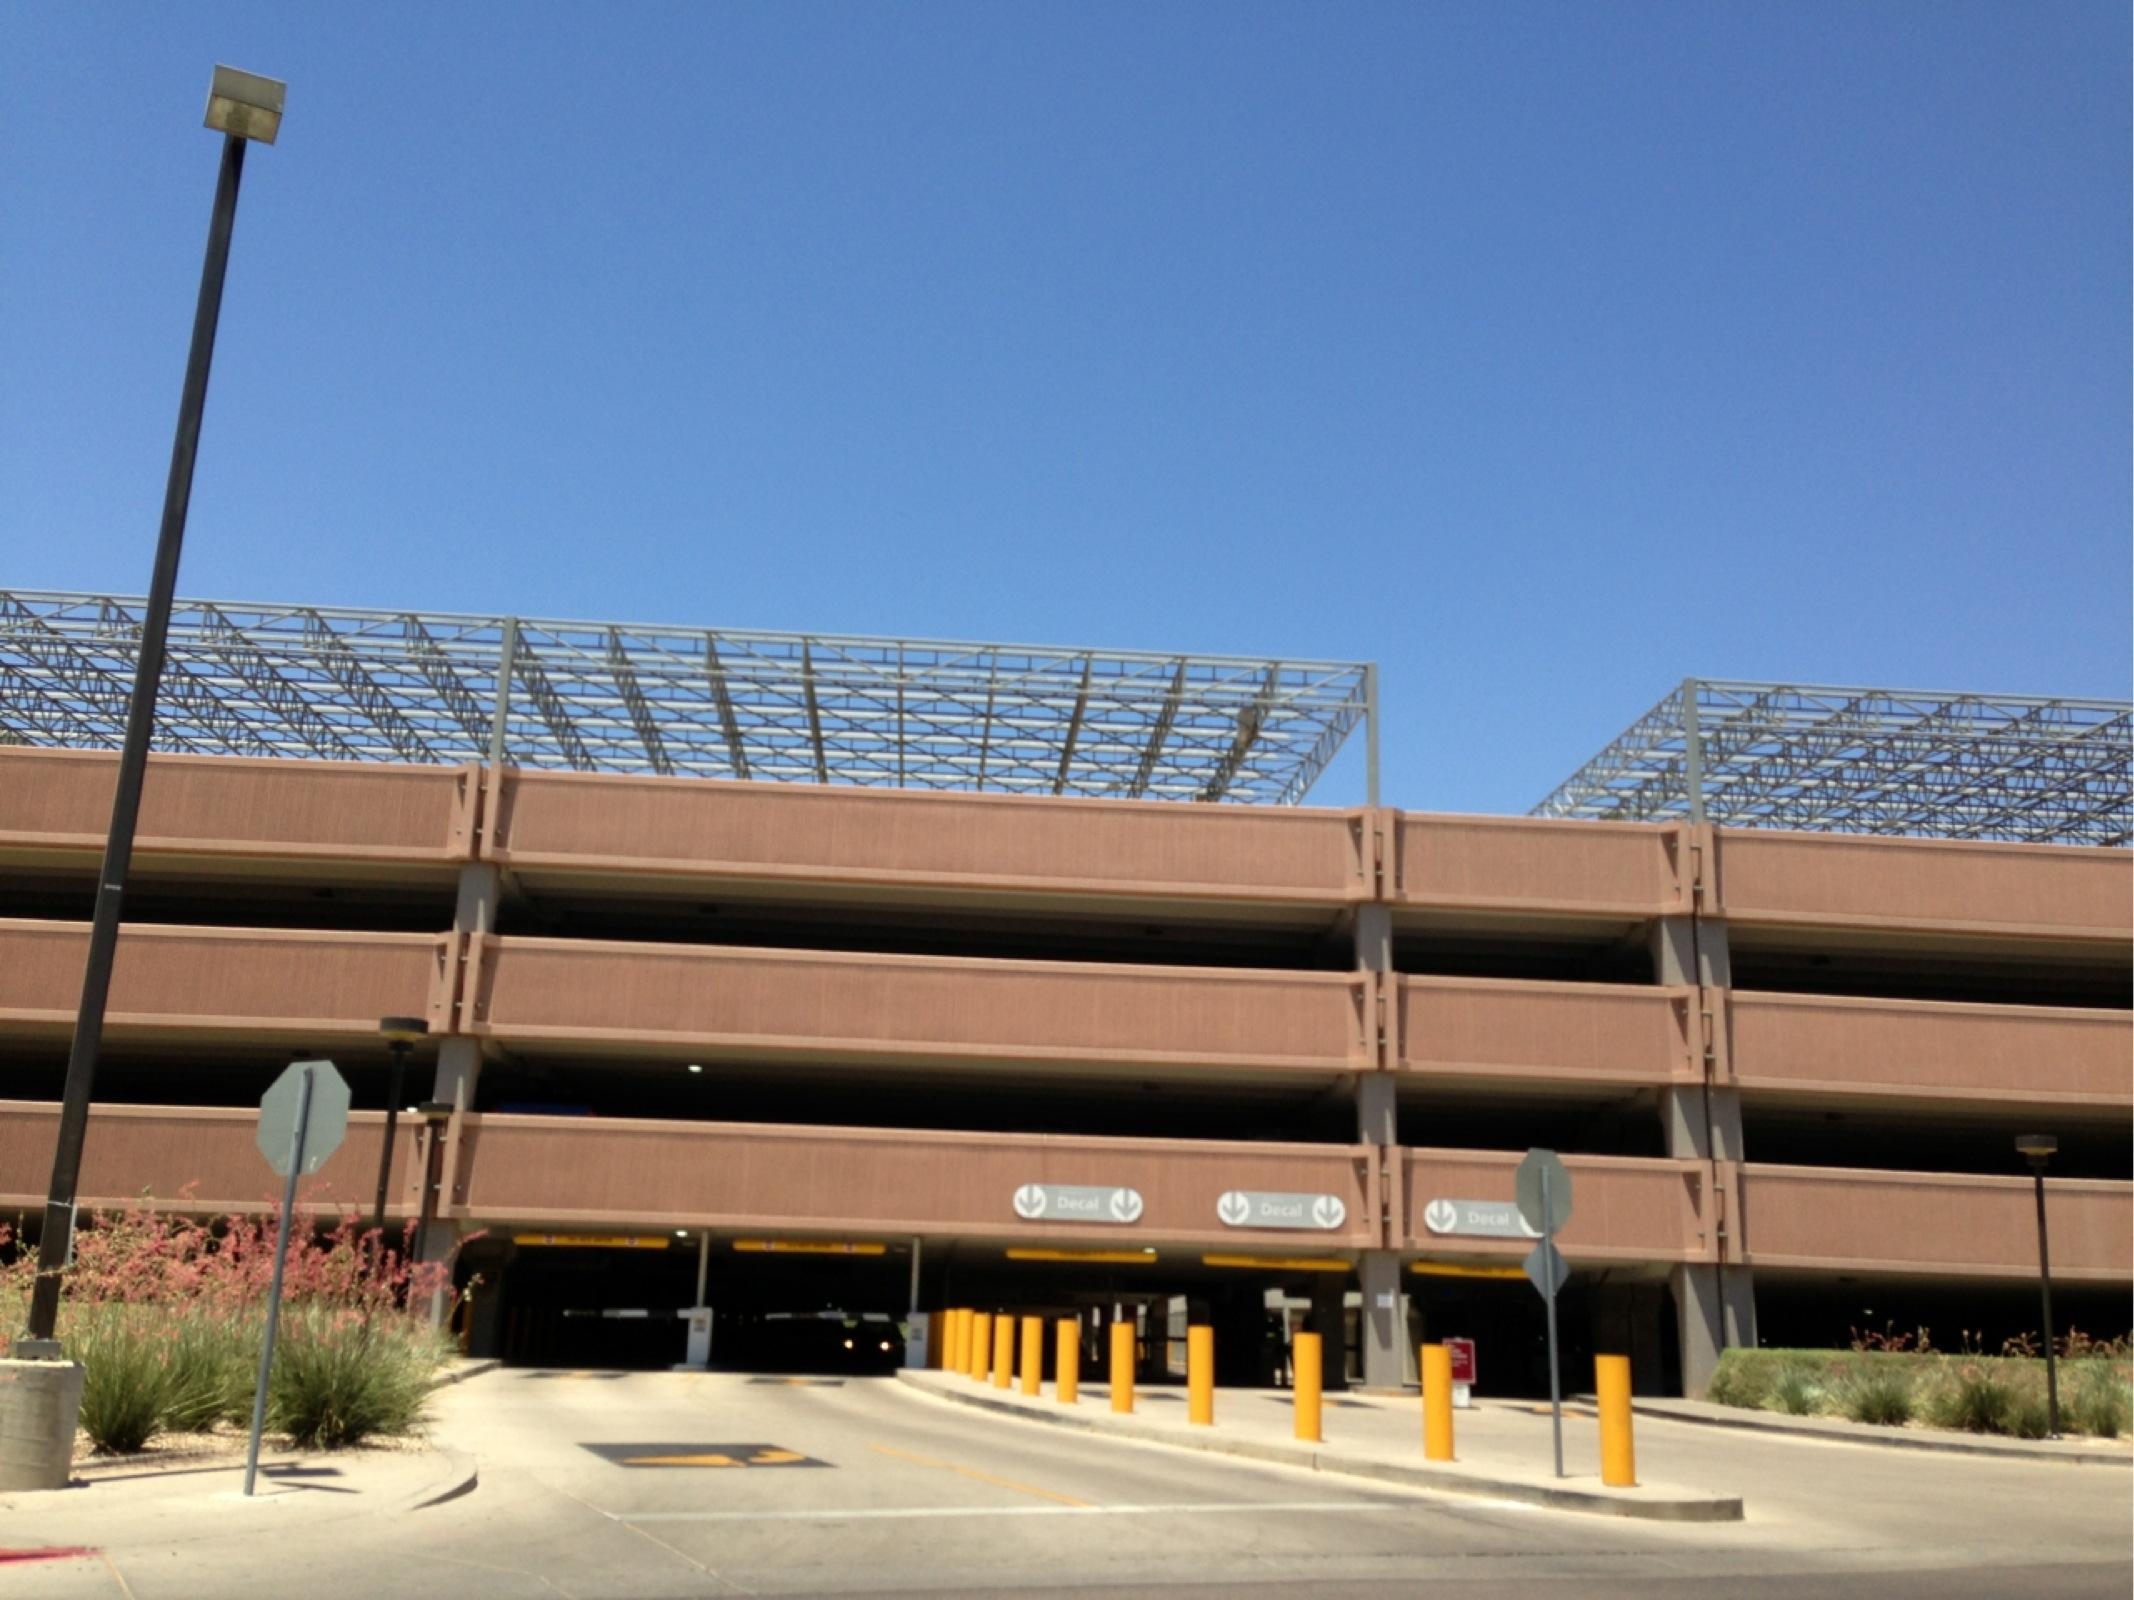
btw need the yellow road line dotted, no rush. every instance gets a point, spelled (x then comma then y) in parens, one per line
(973, 1472)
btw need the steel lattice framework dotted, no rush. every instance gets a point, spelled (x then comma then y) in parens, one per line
(317, 681)
(1950, 766)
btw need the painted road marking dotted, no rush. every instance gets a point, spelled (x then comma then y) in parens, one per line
(976, 1475)
(1077, 1509)
(702, 1455)
(804, 1383)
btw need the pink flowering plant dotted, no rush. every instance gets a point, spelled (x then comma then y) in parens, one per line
(166, 1309)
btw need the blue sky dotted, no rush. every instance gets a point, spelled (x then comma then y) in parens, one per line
(1542, 353)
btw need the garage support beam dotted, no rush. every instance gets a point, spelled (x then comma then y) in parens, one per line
(1388, 1354)
(459, 1057)
(1715, 1302)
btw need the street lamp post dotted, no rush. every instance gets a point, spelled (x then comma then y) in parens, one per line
(2038, 1149)
(242, 107)
(400, 1035)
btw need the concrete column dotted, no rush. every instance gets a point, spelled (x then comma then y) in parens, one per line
(1715, 1304)
(1328, 1318)
(1715, 1308)
(485, 1328)
(1377, 1121)
(440, 1244)
(1383, 1324)
(459, 1058)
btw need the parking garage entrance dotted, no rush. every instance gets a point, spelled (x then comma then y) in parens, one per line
(825, 1307)
(622, 1301)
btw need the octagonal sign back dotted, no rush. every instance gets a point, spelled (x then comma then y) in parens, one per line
(325, 1127)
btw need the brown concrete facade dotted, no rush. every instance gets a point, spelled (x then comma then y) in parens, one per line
(1531, 866)
(1485, 1030)
(1627, 1210)
(1932, 886)
(722, 1002)
(1933, 1224)
(202, 1157)
(262, 815)
(1819, 1046)
(667, 837)
(214, 982)
(1293, 1016)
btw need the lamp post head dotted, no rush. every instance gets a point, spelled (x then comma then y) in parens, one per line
(403, 1030)
(245, 105)
(2036, 1148)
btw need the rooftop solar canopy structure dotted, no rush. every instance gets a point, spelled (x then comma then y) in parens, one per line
(1937, 765)
(345, 684)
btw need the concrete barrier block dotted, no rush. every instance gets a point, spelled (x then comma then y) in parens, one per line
(40, 1403)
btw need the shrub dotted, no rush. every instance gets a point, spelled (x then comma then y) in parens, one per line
(1738, 1382)
(165, 1313)
(214, 1362)
(341, 1375)
(1794, 1391)
(1880, 1394)
(2099, 1401)
(126, 1385)
(2025, 1416)
(1974, 1399)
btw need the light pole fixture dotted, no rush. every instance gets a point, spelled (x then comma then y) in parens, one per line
(242, 107)
(401, 1034)
(2038, 1149)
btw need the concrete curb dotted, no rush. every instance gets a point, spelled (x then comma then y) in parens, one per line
(1835, 1432)
(1715, 1508)
(461, 1371)
(462, 1476)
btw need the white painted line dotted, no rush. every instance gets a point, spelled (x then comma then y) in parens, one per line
(877, 1513)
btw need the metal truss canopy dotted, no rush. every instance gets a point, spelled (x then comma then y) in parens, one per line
(1894, 761)
(343, 684)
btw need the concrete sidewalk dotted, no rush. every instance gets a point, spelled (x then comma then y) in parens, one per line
(182, 1499)
(1502, 1451)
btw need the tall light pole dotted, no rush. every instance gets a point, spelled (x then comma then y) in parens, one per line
(241, 107)
(400, 1034)
(2038, 1149)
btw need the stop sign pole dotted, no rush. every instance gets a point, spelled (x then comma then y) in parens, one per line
(1548, 1246)
(1544, 1191)
(309, 1130)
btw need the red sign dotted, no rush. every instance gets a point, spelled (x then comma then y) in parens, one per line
(1463, 1360)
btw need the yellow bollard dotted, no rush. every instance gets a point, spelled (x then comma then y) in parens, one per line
(1437, 1403)
(1304, 1359)
(960, 1361)
(1611, 1388)
(1122, 1366)
(1067, 1361)
(951, 1345)
(981, 1344)
(1033, 1354)
(1200, 1376)
(1003, 1350)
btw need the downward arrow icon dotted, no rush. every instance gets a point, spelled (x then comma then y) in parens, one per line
(1233, 1208)
(1030, 1201)
(1125, 1204)
(1440, 1216)
(1328, 1211)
